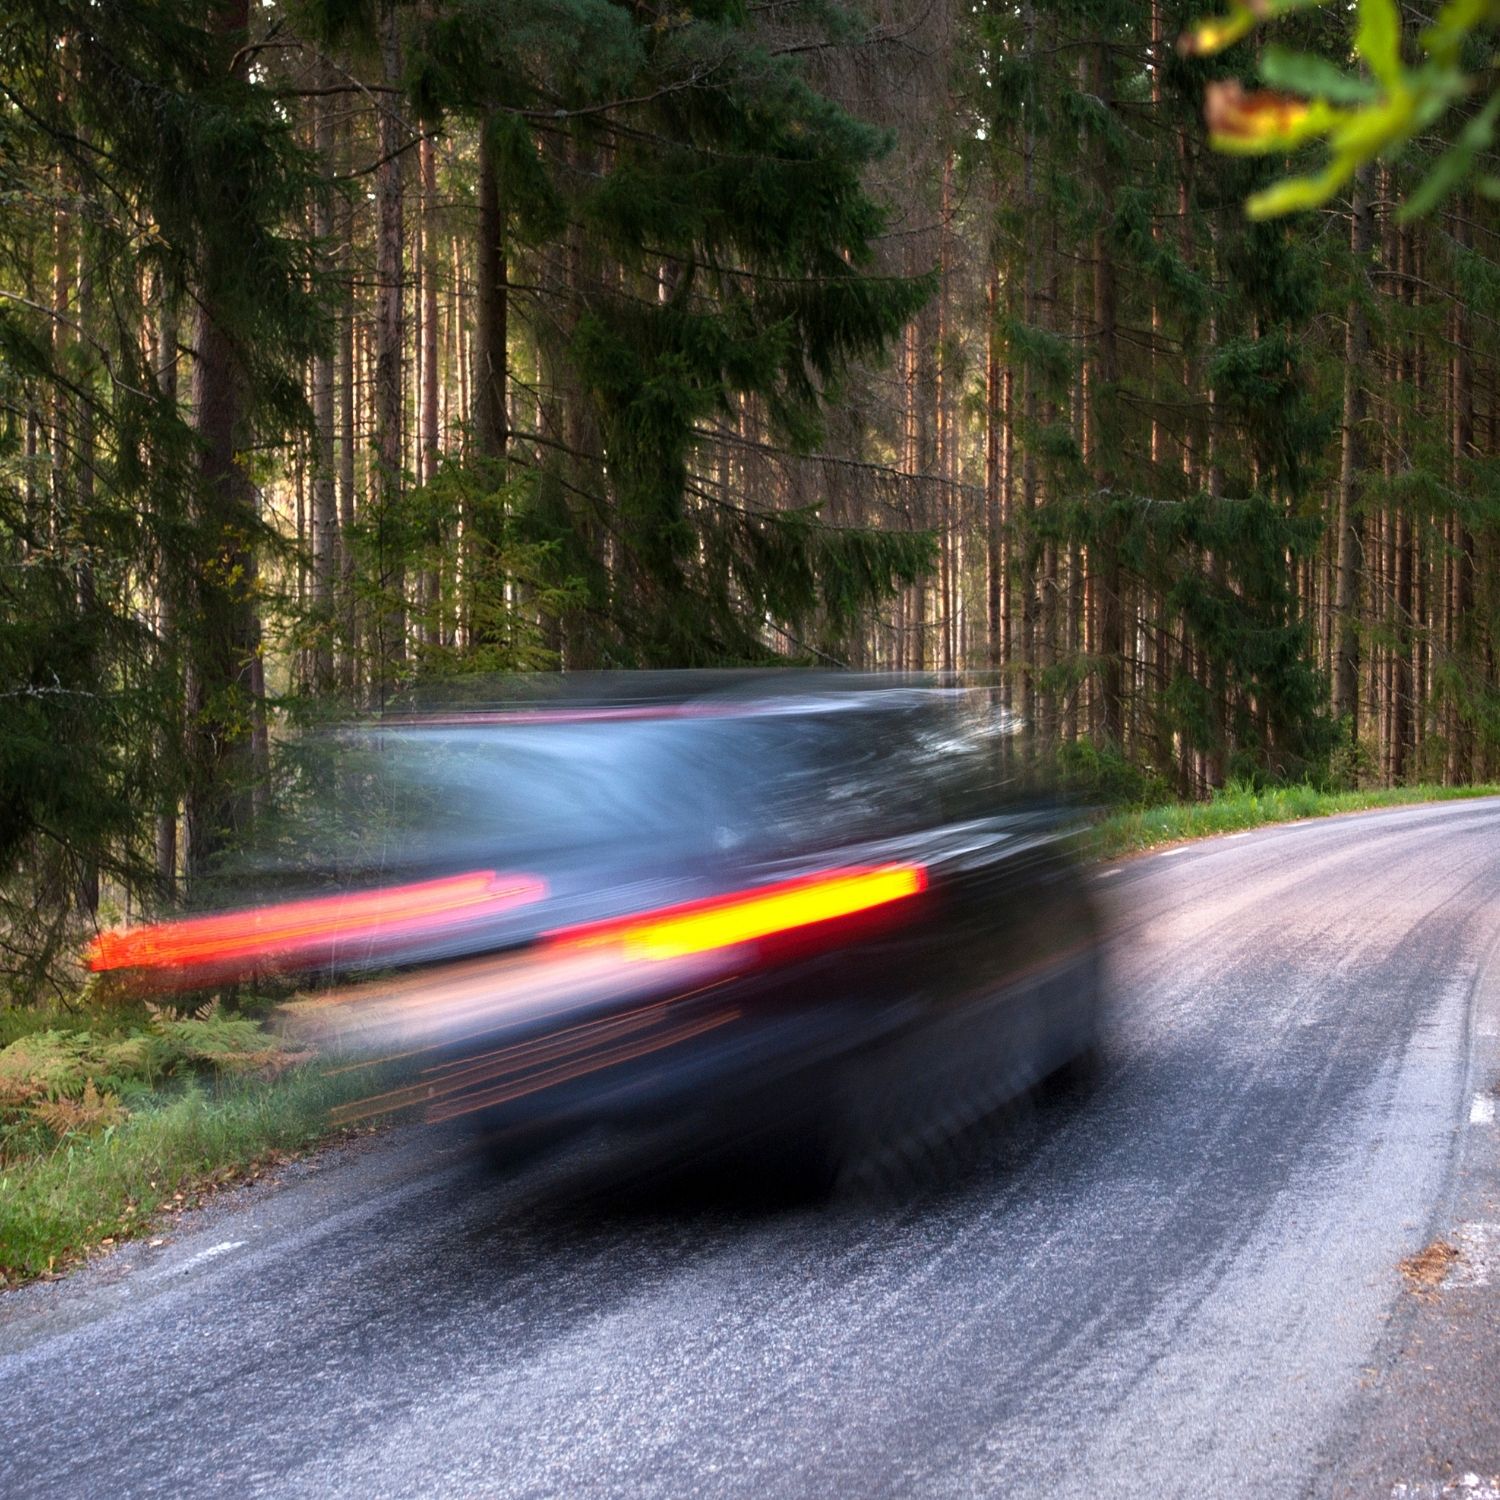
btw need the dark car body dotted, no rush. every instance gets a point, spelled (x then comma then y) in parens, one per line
(823, 921)
(847, 1035)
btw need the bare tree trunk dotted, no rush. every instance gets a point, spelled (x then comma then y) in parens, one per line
(225, 639)
(224, 643)
(64, 270)
(913, 640)
(997, 450)
(83, 496)
(1419, 561)
(1111, 642)
(324, 500)
(946, 469)
(348, 445)
(1401, 687)
(1465, 641)
(1026, 573)
(33, 491)
(491, 422)
(1401, 679)
(491, 360)
(1346, 603)
(168, 586)
(389, 275)
(430, 434)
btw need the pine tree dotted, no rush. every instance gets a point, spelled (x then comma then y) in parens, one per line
(723, 243)
(111, 114)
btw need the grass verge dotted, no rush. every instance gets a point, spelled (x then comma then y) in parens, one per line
(1238, 807)
(93, 1189)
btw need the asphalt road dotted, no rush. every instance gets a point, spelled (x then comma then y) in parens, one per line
(1182, 1282)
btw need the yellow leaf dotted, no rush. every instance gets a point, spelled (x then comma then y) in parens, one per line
(1294, 194)
(1217, 33)
(1253, 123)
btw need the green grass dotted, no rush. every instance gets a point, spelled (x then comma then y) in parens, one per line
(89, 1189)
(1240, 807)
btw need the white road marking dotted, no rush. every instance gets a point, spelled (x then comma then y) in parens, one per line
(213, 1250)
(1482, 1110)
(1478, 1253)
(1168, 853)
(1466, 1487)
(1244, 835)
(1105, 874)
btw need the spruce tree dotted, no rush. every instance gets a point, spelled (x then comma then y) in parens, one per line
(718, 237)
(143, 174)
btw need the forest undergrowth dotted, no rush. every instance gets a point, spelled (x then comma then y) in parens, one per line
(115, 1119)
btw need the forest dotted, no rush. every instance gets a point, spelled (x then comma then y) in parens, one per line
(356, 348)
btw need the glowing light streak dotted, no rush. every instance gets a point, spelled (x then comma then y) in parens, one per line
(726, 921)
(312, 929)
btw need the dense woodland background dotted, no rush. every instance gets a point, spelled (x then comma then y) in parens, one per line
(349, 347)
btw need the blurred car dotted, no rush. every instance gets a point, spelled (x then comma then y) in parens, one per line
(819, 921)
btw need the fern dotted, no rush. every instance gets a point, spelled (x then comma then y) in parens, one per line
(92, 1112)
(46, 1064)
(225, 1043)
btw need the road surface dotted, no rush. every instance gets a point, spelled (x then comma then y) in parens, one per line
(1184, 1281)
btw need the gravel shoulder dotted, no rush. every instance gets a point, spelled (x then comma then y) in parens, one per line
(1426, 1422)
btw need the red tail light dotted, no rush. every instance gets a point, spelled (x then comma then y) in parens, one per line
(308, 931)
(744, 916)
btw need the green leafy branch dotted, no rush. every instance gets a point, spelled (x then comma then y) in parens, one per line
(1360, 115)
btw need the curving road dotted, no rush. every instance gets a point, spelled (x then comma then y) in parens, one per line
(1182, 1282)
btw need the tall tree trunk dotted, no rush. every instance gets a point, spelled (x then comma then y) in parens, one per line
(1465, 642)
(491, 359)
(1109, 584)
(1346, 604)
(491, 421)
(1405, 558)
(430, 434)
(224, 640)
(1401, 686)
(34, 520)
(225, 635)
(390, 286)
(946, 467)
(997, 447)
(64, 274)
(346, 383)
(913, 640)
(83, 516)
(169, 586)
(1025, 579)
(324, 499)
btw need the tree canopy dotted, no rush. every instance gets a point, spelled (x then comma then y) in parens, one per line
(351, 349)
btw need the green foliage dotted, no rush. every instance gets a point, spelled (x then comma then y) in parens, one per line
(730, 192)
(1101, 774)
(505, 551)
(1174, 471)
(69, 1064)
(1360, 118)
(1353, 763)
(1242, 805)
(60, 1198)
(131, 150)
